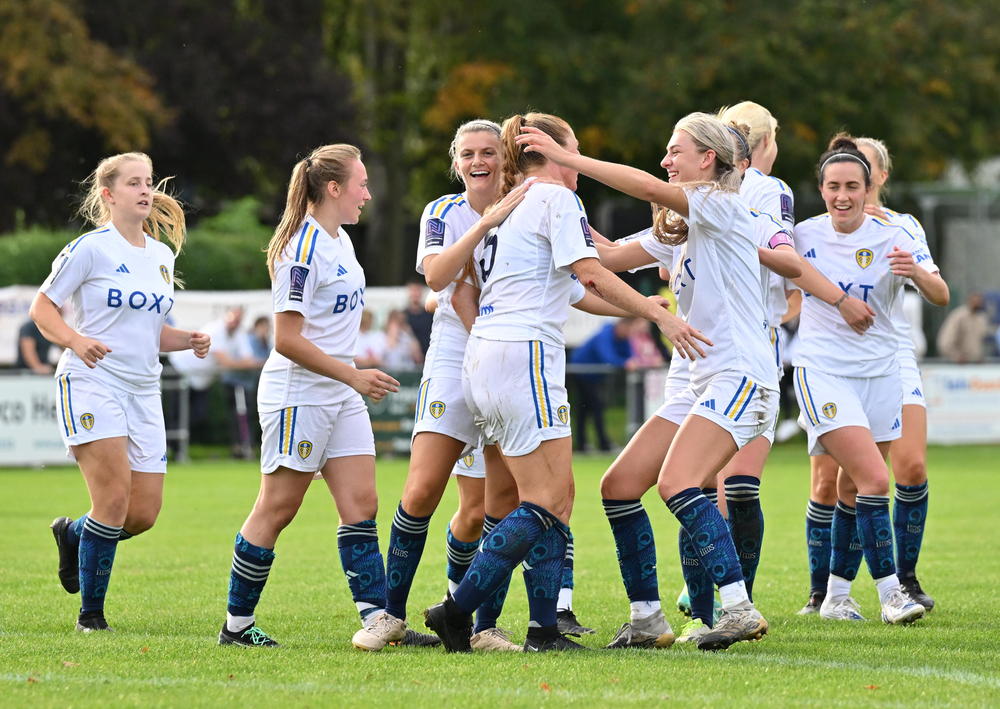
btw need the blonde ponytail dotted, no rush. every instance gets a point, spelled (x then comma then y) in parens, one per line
(325, 164)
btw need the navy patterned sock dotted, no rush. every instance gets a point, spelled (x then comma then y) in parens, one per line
(406, 545)
(489, 610)
(819, 520)
(98, 542)
(363, 565)
(543, 568)
(74, 530)
(845, 545)
(460, 556)
(505, 547)
(710, 534)
(746, 522)
(635, 547)
(875, 531)
(701, 590)
(567, 568)
(908, 519)
(251, 565)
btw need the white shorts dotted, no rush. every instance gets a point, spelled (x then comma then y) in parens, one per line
(738, 404)
(517, 392)
(305, 437)
(909, 374)
(441, 408)
(829, 402)
(472, 465)
(678, 400)
(90, 410)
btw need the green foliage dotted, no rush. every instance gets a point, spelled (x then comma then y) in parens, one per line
(167, 601)
(224, 252)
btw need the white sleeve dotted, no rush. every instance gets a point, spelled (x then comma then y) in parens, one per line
(294, 284)
(578, 292)
(435, 235)
(708, 211)
(568, 233)
(779, 204)
(70, 270)
(919, 249)
(663, 253)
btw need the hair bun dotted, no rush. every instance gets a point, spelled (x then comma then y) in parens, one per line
(842, 141)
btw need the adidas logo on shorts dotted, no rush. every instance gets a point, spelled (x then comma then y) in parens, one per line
(122, 269)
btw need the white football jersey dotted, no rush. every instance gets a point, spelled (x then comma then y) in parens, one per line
(717, 280)
(859, 264)
(916, 230)
(443, 222)
(525, 267)
(319, 276)
(121, 295)
(774, 198)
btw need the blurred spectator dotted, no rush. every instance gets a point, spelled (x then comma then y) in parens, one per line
(417, 317)
(645, 353)
(402, 352)
(33, 349)
(963, 333)
(259, 339)
(371, 344)
(609, 345)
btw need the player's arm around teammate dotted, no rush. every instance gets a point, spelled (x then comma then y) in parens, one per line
(120, 278)
(312, 414)
(714, 225)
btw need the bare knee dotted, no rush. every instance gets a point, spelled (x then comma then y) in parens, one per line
(910, 471)
(139, 521)
(420, 499)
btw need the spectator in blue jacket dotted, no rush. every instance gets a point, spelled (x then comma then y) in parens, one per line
(609, 345)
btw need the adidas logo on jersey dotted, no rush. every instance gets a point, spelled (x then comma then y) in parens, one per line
(709, 404)
(917, 392)
(341, 271)
(811, 253)
(122, 269)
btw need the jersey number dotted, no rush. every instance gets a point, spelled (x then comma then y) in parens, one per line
(491, 245)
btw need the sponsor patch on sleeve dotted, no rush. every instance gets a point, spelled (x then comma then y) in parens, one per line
(297, 282)
(586, 232)
(435, 233)
(787, 213)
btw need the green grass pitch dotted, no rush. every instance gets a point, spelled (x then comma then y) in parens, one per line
(168, 595)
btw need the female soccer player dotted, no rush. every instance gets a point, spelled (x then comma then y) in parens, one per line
(734, 389)
(514, 379)
(309, 398)
(640, 462)
(853, 418)
(120, 279)
(444, 428)
(908, 453)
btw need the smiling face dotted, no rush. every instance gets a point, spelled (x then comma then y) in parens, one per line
(685, 162)
(130, 197)
(352, 195)
(843, 190)
(477, 162)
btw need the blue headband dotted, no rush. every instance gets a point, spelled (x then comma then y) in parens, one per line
(743, 140)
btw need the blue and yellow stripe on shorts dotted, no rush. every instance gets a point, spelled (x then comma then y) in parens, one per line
(418, 413)
(772, 334)
(307, 243)
(805, 396)
(741, 399)
(66, 405)
(539, 385)
(286, 423)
